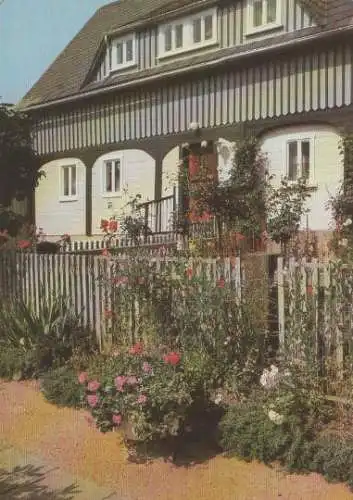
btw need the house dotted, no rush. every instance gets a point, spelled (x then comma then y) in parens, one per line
(144, 77)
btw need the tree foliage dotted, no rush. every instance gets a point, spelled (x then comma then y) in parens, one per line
(19, 163)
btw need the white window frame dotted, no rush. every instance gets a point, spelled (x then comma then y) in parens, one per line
(299, 139)
(70, 197)
(188, 39)
(125, 64)
(252, 30)
(112, 194)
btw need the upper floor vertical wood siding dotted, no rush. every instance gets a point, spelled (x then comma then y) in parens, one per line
(314, 81)
(232, 25)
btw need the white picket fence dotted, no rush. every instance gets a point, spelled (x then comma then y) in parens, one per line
(86, 281)
(325, 288)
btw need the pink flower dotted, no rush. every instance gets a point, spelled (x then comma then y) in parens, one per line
(132, 380)
(221, 283)
(146, 367)
(117, 419)
(93, 386)
(23, 244)
(83, 377)
(92, 400)
(113, 226)
(105, 252)
(142, 399)
(120, 381)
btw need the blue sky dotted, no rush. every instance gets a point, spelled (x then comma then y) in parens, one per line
(32, 34)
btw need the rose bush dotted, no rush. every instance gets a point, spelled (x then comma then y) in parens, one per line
(153, 395)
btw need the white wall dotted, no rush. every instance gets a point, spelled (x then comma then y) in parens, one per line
(326, 174)
(59, 217)
(138, 177)
(170, 166)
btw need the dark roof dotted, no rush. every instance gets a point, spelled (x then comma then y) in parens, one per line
(67, 74)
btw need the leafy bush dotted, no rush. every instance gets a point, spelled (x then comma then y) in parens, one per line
(14, 363)
(61, 387)
(332, 456)
(153, 394)
(48, 337)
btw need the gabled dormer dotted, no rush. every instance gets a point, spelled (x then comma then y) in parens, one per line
(186, 31)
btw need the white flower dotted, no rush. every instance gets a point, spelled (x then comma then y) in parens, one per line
(194, 126)
(204, 144)
(226, 342)
(347, 222)
(185, 145)
(218, 398)
(270, 378)
(343, 242)
(276, 417)
(22, 341)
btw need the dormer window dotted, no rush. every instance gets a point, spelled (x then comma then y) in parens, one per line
(187, 34)
(263, 15)
(122, 53)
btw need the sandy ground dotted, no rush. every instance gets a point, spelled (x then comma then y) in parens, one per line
(62, 449)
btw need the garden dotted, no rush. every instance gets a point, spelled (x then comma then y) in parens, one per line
(189, 361)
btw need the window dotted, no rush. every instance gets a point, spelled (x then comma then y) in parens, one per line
(122, 53)
(188, 34)
(68, 182)
(298, 159)
(112, 176)
(264, 14)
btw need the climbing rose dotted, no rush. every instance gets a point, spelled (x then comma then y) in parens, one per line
(117, 419)
(92, 400)
(113, 226)
(23, 244)
(173, 358)
(83, 377)
(93, 386)
(104, 224)
(136, 348)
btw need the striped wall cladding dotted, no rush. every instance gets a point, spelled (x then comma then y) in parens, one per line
(232, 20)
(318, 80)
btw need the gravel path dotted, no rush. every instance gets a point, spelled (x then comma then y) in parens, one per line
(35, 432)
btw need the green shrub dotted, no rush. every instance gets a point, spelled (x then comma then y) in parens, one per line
(61, 387)
(13, 363)
(48, 337)
(332, 456)
(247, 432)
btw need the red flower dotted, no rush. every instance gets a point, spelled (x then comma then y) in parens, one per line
(189, 272)
(23, 244)
(221, 283)
(173, 358)
(136, 348)
(239, 237)
(104, 224)
(205, 217)
(113, 226)
(108, 314)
